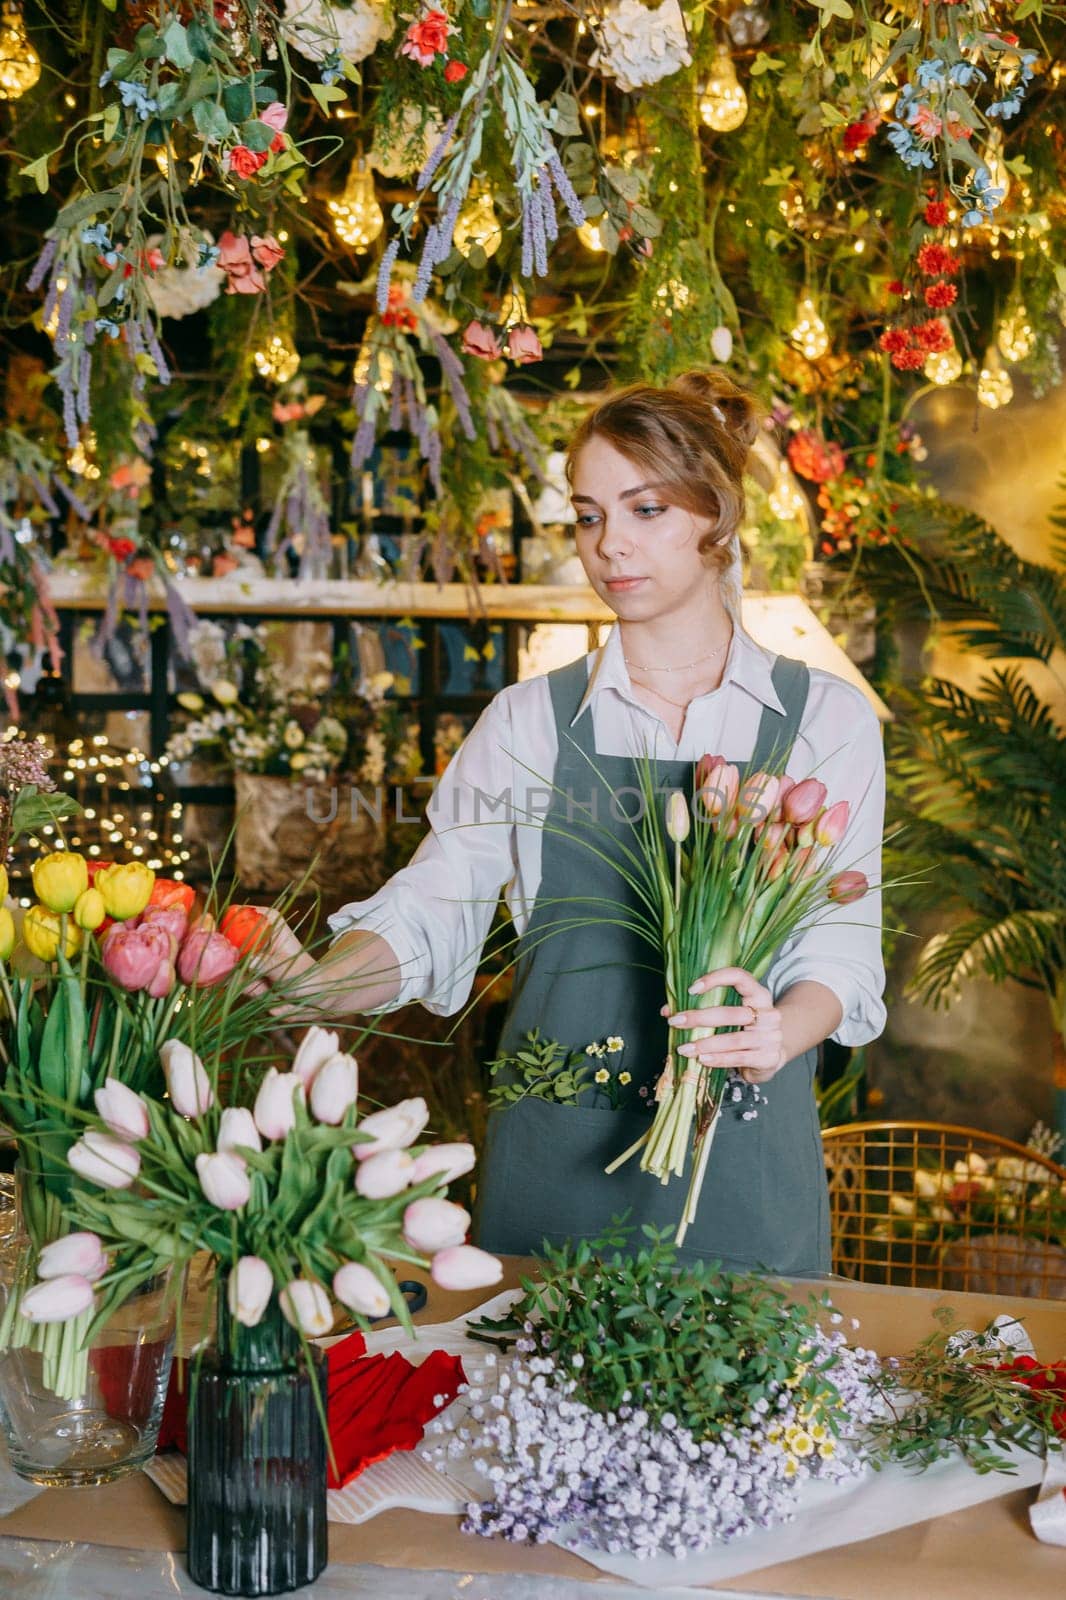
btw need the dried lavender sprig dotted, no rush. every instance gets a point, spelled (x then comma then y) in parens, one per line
(452, 369)
(433, 459)
(70, 411)
(360, 397)
(66, 316)
(527, 238)
(85, 376)
(363, 442)
(436, 155)
(44, 494)
(396, 404)
(74, 500)
(388, 261)
(437, 247)
(540, 243)
(547, 203)
(566, 189)
(523, 443)
(44, 261)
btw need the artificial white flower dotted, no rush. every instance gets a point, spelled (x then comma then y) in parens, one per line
(317, 29)
(179, 291)
(641, 45)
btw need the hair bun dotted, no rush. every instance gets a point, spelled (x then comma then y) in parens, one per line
(737, 409)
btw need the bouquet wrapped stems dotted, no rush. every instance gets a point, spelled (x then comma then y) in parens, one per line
(728, 881)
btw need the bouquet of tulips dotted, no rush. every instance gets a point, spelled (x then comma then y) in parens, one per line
(727, 881)
(299, 1200)
(111, 962)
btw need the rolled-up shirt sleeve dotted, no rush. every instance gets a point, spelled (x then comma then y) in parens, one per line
(436, 912)
(842, 949)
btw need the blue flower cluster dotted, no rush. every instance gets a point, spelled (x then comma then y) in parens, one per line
(208, 257)
(906, 146)
(1011, 102)
(135, 97)
(331, 68)
(985, 193)
(105, 325)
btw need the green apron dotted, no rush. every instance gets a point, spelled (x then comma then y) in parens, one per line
(764, 1203)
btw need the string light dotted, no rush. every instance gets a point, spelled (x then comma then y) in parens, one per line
(943, 366)
(53, 321)
(20, 65)
(591, 236)
(786, 499)
(994, 387)
(278, 361)
(723, 103)
(357, 217)
(1015, 335)
(477, 226)
(374, 366)
(809, 335)
(79, 460)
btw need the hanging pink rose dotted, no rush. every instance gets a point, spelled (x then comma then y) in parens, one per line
(523, 345)
(275, 116)
(267, 251)
(235, 260)
(479, 340)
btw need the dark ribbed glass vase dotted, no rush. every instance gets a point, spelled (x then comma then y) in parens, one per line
(257, 1461)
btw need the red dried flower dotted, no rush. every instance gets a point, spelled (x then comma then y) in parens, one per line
(893, 340)
(941, 295)
(934, 336)
(813, 457)
(895, 286)
(856, 134)
(935, 214)
(935, 260)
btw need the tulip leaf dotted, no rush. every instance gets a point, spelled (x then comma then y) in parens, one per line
(76, 1089)
(52, 1068)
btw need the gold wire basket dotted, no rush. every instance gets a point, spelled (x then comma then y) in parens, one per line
(929, 1205)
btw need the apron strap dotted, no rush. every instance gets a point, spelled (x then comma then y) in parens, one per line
(773, 741)
(777, 733)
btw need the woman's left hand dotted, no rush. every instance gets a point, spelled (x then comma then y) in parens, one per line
(757, 1052)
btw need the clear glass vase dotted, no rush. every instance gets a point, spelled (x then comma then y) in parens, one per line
(257, 1460)
(75, 1414)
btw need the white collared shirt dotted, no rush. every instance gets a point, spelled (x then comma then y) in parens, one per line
(487, 811)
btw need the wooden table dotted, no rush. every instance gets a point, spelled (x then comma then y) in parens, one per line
(122, 1542)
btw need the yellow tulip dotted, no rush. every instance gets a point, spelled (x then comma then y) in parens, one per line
(3, 884)
(89, 909)
(59, 878)
(40, 934)
(7, 932)
(126, 887)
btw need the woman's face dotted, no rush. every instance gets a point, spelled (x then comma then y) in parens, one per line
(641, 553)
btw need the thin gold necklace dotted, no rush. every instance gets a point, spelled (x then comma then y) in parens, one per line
(684, 666)
(679, 705)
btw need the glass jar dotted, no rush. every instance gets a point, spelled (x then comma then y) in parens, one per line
(257, 1459)
(75, 1413)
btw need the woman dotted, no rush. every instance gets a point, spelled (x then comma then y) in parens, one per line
(656, 476)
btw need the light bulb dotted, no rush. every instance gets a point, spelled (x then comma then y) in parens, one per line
(994, 387)
(591, 236)
(357, 217)
(162, 161)
(376, 366)
(997, 167)
(278, 361)
(943, 366)
(478, 226)
(52, 324)
(1015, 335)
(514, 312)
(20, 65)
(723, 103)
(786, 499)
(809, 334)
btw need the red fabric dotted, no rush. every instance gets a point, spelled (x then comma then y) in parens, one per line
(374, 1404)
(1049, 1379)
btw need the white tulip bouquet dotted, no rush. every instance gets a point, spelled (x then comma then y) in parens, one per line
(293, 1196)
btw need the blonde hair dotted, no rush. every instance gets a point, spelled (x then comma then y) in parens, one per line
(694, 437)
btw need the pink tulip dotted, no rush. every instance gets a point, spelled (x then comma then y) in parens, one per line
(163, 981)
(57, 1300)
(758, 797)
(251, 1283)
(773, 835)
(777, 866)
(678, 817)
(356, 1287)
(316, 1048)
(802, 863)
(432, 1225)
(224, 1180)
(133, 955)
(446, 1161)
(464, 1266)
(787, 785)
(173, 920)
(80, 1254)
(275, 1107)
(205, 958)
(804, 801)
(831, 826)
(98, 1158)
(237, 1130)
(124, 1112)
(305, 1304)
(335, 1090)
(719, 790)
(385, 1174)
(394, 1128)
(846, 887)
(188, 1085)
